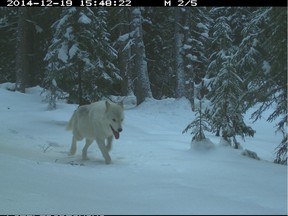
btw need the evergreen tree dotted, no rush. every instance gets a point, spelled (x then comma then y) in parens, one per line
(158, 39)
(201, 122)
(196, 41)
(281, 150)
(80, 57)
(132, 54)
(8, 25)
(227, 113)
(37, 33)
(226, 85)
(270, 80)
(118, 23)
(40, 34)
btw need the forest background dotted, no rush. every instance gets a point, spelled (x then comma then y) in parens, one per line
(225, 60)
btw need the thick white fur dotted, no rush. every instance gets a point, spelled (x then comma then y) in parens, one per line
(95, 122)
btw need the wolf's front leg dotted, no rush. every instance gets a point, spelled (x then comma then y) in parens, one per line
(109, 143)
(103, 149)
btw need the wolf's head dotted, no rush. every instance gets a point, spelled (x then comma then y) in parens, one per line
(114, 113)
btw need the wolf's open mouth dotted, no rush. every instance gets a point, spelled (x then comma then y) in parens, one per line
(116, 134)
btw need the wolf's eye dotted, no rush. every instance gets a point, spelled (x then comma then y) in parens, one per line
(114, 120)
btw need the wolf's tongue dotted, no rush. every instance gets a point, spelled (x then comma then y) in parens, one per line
(116, 134)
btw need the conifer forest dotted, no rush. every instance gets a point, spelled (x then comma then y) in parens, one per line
(225, 60)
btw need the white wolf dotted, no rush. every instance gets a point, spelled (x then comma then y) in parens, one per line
(97, 121)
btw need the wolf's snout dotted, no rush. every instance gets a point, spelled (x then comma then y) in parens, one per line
(120, 130)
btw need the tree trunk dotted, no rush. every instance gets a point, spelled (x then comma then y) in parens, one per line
(124, 57)
(179, 61)
(143, 89)
(21, 50)
(124, 67)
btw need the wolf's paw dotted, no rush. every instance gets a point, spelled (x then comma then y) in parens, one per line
(85, 158)
(108, 161)
(72, 151)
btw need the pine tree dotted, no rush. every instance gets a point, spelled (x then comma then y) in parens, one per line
(196, 41)
(8, 24)
(53, 94)
(37, 33)
(226, 85)
(158, 41)
(227, 113)
(200, 123)
(80, 57)
(281, 150)
(269, 26)
(132, 53)
(40, 33)
(118, 22)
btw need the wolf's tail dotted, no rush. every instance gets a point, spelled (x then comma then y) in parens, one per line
(70, 124)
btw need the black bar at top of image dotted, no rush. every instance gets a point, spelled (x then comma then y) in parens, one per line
(154, 3)
(179, 3)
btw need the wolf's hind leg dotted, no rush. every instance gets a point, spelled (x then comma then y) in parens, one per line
(73, 147)
(84, 150)
(103, 149)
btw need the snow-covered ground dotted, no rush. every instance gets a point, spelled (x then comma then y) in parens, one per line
(154, 170)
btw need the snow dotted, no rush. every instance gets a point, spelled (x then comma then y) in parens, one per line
(54, 83)
(59, 24)
(62, 53)
(255, 42)
(201, 25)
(69, 33)
(124, 37)
(266, 67)
(205, 34)
(154, 169)
(83, 19)
(191, 57)
(73, 50)
(186, 46)
(202, 145)
(136, 12)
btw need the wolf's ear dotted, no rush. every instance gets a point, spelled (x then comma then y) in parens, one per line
(107, 105)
